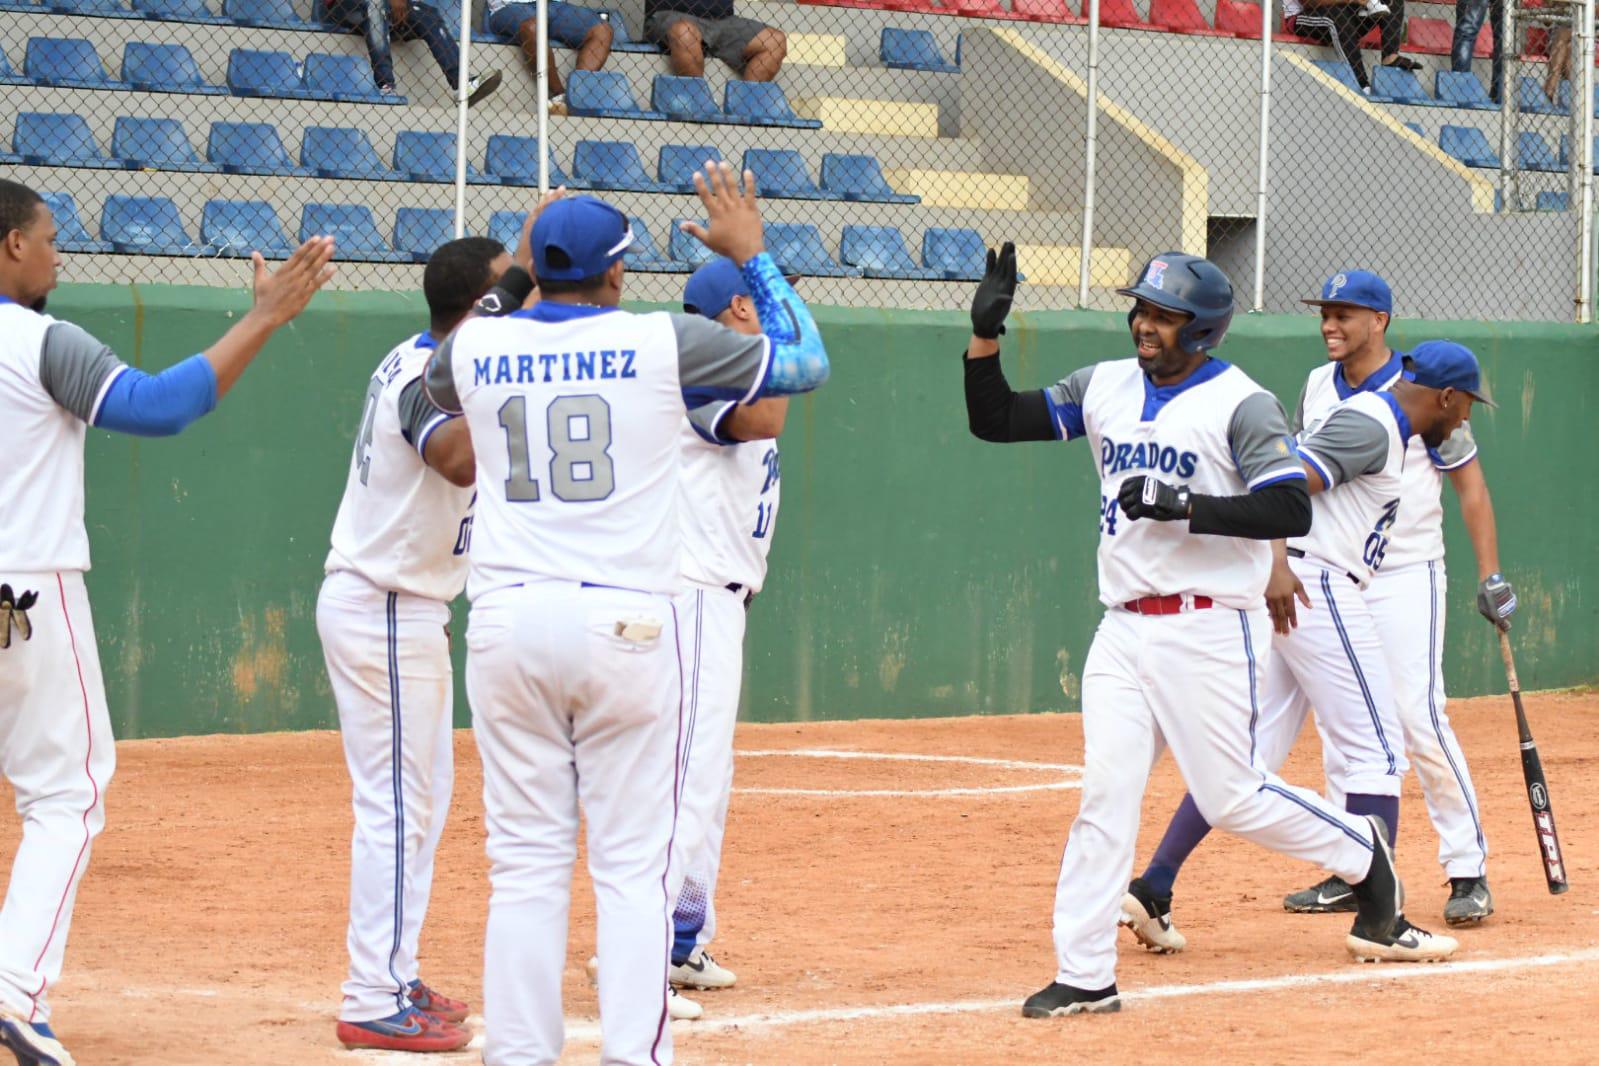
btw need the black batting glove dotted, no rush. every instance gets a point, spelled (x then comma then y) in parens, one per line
(1496, 600)
(1148, 497)
(995, 293)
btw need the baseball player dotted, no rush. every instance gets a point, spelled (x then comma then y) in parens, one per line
(574, 410)
(1330, 656)
(398, 559)
(56, 746)
(1184, 444)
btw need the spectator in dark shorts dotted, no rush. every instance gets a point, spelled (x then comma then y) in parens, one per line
(1342, 23)
(691, 29)
(571, 25)
(406, 20)
(1469, 17)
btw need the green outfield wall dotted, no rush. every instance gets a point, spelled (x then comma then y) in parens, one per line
(916, 571)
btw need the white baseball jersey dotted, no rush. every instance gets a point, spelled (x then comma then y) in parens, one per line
(730, 496)
(401, 526)
(53, 378)
(1418, 535)
(1359, 451)
(1217, 432)
(576, 414)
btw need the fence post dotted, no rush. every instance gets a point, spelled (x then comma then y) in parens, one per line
(1086, 253)
(461, 92)
(1266, 11)
(1584, 163)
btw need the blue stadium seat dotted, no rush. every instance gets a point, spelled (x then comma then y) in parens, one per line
(685, 99)
(156, 144)
(71, 236)
(340, 152)
(623, 41)
(257, 73)
(1469, 145)
(677, 163)
(1339, 71)
(26, 6)
(1566, 159)
(430, 157)
(347, 79)
(419, 230)
(880, 252)
(644, 256)
(1554, 201)
(1463, 89)
(271, 14)
(164, 68)
(685, 249)
(8, 76)
(1415, 127)
(68, 62)
(797, 247)
(177, 10)
(1399, 87)
(958, 254)
(506, 227)
(103, 8)
(355, 235)
(515, 161)
(1563, 99)
(782, 172)
(613, 165)
(235, 228)
(603, 94)
(1530, 99)
(250, 148)
(860, 177)
(1534, 153)
(54, 139)
(913, 50)
(762, 103)
(147, 225)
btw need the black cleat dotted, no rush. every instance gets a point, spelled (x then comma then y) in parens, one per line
(1469, 901)
(1380, 898)
(1327, 897)
(1059, 999)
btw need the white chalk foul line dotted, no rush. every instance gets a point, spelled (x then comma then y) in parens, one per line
(1073, 781)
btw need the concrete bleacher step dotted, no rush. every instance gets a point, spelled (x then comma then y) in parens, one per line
(949, 188)
(887, 118)
(817, 50)
(1058, 264)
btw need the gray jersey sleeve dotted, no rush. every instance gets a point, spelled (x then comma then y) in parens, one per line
(1458, 449)
(718, 363)
(438, 380)
(1262, 449)
(74, 369)
(1297, 426)
(709, 419)
(1065, 400)
(419, 416)
(1347, 444)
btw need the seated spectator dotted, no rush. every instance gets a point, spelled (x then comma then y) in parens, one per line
(1559, 61)
(1469, 15)
(572, 25)
(406, 20)
(1342, 23)
(689, 29)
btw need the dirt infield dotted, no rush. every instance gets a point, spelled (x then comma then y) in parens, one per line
(887, 928)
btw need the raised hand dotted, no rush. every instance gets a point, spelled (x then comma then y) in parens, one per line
(523, 257)
(282, 294)
(995, 293)
(732, 216)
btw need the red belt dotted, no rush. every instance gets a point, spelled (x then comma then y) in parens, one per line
(1166, 604)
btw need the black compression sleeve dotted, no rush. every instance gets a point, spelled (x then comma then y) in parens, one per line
(508, 293)
(995, 413)
(1274, 512)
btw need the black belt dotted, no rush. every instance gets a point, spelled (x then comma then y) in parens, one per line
(1299, 554)
(737, 589)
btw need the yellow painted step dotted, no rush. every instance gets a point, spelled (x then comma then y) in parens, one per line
(1059, 264)
(892, 118)
(816, 49)
(953, 188)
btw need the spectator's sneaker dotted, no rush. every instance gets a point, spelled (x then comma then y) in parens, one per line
(425, 999)
(481, 86)
(1374, 7)
(388, 90)
(557, 105)
(409, 1030)
(1402, 63)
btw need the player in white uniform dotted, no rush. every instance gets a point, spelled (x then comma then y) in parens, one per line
(56, 745)
(1331, 656)
(398, 558)
(1176, 661)
(575, 410)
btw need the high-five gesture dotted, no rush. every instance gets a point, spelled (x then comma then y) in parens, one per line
(523, 257)
(282, 294)
(732, 216)
(994, 294)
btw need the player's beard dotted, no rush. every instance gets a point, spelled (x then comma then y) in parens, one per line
(37, 307)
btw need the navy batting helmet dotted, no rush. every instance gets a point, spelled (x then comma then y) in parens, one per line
(1181, 282)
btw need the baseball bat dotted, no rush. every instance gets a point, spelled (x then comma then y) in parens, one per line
(1543, 816)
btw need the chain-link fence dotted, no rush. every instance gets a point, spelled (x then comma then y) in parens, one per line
(894, 139)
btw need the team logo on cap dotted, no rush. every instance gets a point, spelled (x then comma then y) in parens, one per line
(1338, 282)
(1155, 276)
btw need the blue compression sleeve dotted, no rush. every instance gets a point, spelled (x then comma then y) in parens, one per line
(159, 405)
(799, 361)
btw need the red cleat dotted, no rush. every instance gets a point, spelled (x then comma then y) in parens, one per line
(409, 1030)
(425, 999)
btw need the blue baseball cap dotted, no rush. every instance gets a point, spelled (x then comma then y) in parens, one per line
(578, 237)
(1447, 365)
(1357, 288)
(711, 288)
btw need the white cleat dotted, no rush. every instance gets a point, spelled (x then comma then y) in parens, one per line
(1149, 918)
(32, 1043)
(680, 1008)
(1409, 943)
(701, 971)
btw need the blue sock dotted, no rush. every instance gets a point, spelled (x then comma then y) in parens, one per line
(688, 919)
(1384, 807)
(1183, 834)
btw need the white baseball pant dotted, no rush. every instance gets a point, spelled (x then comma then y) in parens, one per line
(388, 659)
(57, 751)
(1190, 681)
(576, 699)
